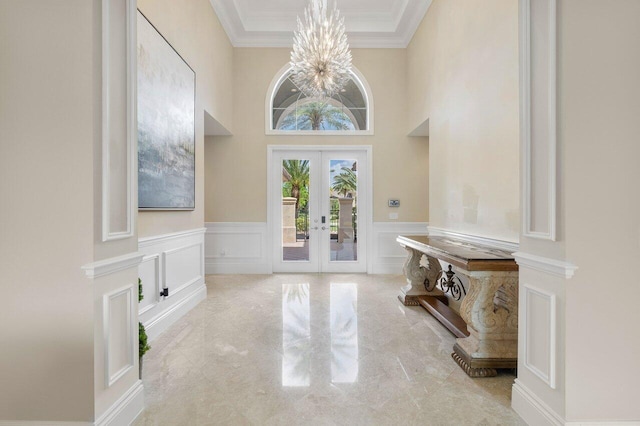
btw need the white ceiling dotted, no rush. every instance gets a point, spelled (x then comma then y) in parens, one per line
(369, 23)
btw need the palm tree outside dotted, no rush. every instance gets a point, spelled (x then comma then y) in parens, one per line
(295, 174)
(345, 183)
(316, 115)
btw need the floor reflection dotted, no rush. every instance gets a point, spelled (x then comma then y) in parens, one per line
(296, 335)
(344, 333)
(222, 362)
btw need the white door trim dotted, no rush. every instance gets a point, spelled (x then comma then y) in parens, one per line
(367, 221)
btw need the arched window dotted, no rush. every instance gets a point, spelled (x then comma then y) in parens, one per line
(289, 111)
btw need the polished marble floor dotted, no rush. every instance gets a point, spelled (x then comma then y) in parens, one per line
(313, 349)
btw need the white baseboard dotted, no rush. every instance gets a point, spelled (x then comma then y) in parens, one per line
(123, 412)
(531, 408)
(126, 409)
(158, 324)
(387, 255)
(587, 423)
(41, 423)
(236, 248)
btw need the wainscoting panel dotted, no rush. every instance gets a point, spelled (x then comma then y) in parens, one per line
(118, 333)
(388, 257)
(115, 284)
(539, 392)
(236, 248)
(150, 275)
(174, 262)
(182, 267)
(540, 330)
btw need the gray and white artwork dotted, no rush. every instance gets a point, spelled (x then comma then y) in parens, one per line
(166, 124)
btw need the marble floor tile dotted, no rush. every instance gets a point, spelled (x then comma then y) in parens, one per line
(318, 349)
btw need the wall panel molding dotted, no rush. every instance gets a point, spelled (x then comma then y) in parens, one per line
(119, 332)
(119, 132)
(150, 267)
(241, 247)
(112, 265)
(155, 240)
(546, 265)
(174, 261)
(236, 248)
(538, 119)
(186, 270)
(388, 256)
(540, 309)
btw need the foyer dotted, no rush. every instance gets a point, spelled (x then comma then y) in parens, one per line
(507, 123)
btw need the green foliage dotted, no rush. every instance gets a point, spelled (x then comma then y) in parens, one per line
(142, 341)
(301, 223)
(317, 116)
(295, 174)
(143, 346)
(346, 183)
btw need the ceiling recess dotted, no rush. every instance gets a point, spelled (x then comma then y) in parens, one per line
(369, 23)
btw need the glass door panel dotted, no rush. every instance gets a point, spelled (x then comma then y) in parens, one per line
(294, 183)
(343, 243)
(343, 199)
(295, 210)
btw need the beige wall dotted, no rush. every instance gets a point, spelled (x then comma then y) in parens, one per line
(193, 29)
(47, 129)
(463, 77)
(599, 106)
(236, 166)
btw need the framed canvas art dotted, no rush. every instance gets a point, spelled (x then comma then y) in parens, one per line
(166, 124)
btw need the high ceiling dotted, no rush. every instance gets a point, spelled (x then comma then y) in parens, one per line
(369, 23)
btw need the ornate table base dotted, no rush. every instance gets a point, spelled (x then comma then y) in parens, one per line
(421, 280)
(489, 309)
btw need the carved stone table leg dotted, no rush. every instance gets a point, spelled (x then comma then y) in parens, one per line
(490, 310)
(421, 281)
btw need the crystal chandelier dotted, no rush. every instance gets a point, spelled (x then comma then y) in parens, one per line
(320, 59)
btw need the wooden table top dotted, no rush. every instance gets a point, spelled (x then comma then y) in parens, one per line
(465, 255)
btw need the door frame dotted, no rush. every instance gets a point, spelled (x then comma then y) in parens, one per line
(363, 222)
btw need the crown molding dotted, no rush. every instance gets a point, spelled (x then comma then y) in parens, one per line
(371, 30)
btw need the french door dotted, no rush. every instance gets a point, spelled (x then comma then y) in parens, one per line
(319, 210)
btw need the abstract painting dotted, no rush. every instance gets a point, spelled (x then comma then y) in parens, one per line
(166, 124)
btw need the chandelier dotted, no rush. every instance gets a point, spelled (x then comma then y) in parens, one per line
(320, 59)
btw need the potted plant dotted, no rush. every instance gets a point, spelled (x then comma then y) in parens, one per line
(142, 334)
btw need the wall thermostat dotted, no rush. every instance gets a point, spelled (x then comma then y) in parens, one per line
(394, 203)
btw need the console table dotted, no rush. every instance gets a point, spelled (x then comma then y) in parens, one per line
(489, 310)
